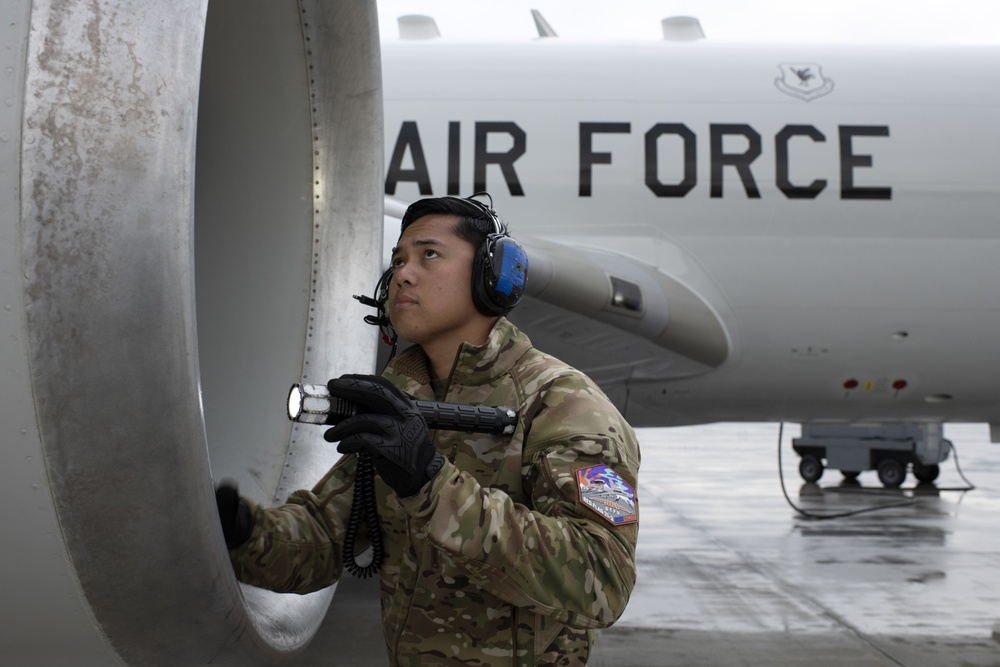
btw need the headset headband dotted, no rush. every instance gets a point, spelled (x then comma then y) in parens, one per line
(498, 227)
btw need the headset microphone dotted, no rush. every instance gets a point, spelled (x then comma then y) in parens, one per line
(381, 318)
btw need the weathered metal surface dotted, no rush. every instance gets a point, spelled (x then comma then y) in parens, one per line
(120, 558)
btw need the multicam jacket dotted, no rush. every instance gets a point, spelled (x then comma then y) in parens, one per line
(505, 557)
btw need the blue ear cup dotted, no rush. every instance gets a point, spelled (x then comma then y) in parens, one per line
(499, 273)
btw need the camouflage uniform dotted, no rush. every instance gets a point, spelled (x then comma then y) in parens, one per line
(497, 560)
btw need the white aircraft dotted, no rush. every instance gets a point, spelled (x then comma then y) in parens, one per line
(784, 232)
(193, 194)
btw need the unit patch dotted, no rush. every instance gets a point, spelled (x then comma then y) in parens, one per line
(602, 490)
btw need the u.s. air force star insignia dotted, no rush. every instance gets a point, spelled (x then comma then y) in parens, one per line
(602, 490)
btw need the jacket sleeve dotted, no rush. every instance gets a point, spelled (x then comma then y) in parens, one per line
(297, 547)
(557, 556)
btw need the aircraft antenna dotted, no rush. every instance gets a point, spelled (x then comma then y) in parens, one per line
(544, 29)
(417, 27)
(682, 29)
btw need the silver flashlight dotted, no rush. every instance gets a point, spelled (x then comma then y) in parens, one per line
(313, 404)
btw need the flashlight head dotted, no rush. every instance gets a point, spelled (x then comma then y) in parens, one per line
(309, 403)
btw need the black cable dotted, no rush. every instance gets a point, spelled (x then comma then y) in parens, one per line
(381, 318)
(969, 486)
(364, 509)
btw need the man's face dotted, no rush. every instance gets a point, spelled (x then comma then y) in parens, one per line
(430, 294)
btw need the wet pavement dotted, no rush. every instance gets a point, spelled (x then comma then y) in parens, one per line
(730, 574)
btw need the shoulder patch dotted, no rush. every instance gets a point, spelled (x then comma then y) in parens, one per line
(602, 490)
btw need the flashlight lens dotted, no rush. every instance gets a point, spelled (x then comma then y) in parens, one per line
(295, 402)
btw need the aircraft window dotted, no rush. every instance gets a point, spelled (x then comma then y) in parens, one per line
(626, 295)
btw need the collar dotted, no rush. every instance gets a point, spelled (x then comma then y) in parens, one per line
(474, 364)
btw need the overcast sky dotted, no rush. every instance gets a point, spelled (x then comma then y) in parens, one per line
(829, 21)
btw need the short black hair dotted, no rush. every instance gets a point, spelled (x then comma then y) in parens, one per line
(476, 221)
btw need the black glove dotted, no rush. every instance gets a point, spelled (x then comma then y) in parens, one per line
(234, 513)
(389, 428)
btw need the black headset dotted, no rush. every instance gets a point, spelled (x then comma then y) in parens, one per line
(499, 268)
(499, 274)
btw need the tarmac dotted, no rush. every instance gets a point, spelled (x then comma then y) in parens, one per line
(730, 574)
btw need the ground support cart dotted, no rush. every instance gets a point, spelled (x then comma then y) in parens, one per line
(887, 448)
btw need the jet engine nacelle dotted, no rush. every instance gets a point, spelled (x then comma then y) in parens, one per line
(191, 195)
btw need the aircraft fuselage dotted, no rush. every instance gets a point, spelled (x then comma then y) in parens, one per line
(838, 209)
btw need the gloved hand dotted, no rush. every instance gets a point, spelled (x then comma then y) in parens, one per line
(234, 514)
(388, 427)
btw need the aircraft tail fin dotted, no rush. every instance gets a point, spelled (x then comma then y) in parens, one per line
(544, 29)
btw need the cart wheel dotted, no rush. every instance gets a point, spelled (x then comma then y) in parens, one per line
(810, 468)
(850, 475)
(891, 473)
(926, 473)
